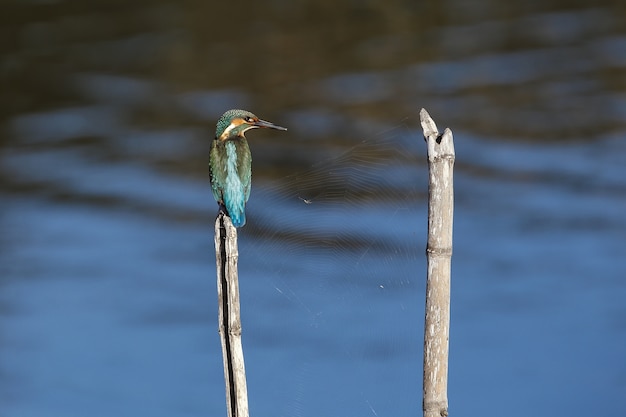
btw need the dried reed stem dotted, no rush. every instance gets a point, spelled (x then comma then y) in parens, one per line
(226, 255)
(439, 253)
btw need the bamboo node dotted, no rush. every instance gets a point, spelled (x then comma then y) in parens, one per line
(444, 157)
(439, 251)
(439, 407)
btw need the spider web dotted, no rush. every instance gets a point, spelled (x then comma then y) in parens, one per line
(335, 265)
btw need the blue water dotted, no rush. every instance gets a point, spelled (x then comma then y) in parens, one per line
(107, 268)
(112, 311)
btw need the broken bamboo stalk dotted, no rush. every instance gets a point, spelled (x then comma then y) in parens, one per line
(439, 253)
(227, 255)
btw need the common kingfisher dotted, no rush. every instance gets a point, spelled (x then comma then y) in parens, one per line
(230, 162)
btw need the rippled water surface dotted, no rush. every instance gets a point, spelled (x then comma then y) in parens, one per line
(107, 266)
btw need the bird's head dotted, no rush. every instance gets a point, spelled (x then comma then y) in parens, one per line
(234, 123)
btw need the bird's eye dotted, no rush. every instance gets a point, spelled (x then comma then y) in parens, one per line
(249, 119)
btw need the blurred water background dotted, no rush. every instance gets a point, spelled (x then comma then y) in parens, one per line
(107, 269)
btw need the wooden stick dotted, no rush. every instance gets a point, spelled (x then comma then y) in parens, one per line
(439, 253)
(226, 255)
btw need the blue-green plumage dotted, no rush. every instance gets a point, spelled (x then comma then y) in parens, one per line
(230, 162)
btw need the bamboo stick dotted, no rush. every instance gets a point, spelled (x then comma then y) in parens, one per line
(226, 255)
(439, 253)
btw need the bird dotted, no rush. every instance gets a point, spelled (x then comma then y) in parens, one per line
(230, 162)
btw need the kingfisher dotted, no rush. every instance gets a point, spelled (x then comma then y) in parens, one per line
(230, 162)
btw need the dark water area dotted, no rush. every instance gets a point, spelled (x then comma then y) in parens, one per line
(107, 269)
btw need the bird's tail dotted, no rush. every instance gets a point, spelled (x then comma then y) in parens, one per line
(238, 220)
(237, 214)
